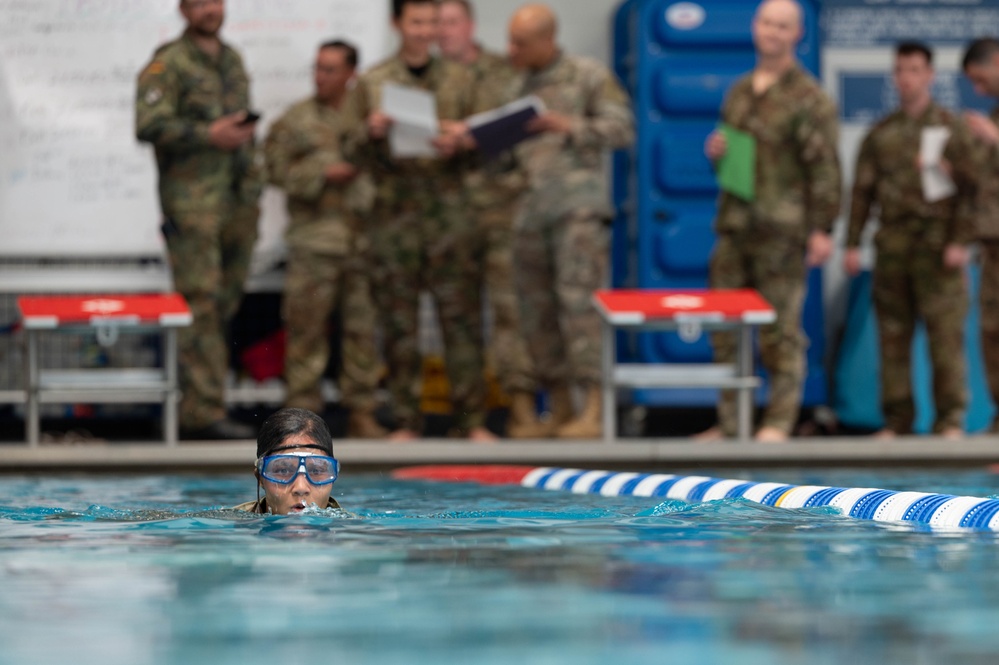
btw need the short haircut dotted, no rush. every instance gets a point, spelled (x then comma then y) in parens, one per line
(464, 4)
(980, 52)
(349, 50)
(399, 6)
(913, 48)
(287, 423)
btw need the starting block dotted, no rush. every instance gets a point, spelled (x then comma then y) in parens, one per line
(108, 316)
(690, 314)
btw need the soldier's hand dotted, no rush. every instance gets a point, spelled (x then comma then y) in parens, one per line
(454, 127)
(556, 123)
(340, 173)
(851, 262)
(715, 146)
(459, 130)
(956, 256)
(820, 248)
(982, 127)
(448, 145)
(379, 125)
(230, 132)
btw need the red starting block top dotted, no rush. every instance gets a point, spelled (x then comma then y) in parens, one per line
(161, 309)
(634, 307)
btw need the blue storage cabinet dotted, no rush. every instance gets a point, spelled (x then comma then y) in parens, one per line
(678, 59)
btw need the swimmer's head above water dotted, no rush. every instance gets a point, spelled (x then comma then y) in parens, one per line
(295, 466)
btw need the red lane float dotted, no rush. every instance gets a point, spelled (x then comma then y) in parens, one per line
(484, 475)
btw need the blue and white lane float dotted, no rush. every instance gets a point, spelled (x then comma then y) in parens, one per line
(935, 510)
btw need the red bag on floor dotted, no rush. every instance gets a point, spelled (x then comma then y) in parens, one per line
(265, 359)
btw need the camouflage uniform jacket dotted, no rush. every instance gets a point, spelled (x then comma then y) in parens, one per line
(988, 201)
(454, 91)
(496, 81)
(888, 175)
(493, 182)
(180, 93)
(299, 147)
(568, 170)
(798, 179)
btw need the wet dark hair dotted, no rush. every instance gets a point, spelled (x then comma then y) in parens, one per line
(289, 422)
(349, 50)
(399, 6)
(912, 48)
(980, 51)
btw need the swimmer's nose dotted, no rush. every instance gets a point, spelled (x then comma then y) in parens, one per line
(301, 486)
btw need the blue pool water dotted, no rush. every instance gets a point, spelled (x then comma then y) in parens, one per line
(146, 569)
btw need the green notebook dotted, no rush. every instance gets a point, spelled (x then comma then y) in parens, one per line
(737, 168)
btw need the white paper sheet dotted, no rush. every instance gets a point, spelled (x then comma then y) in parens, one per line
(937, 185)
(414, 115)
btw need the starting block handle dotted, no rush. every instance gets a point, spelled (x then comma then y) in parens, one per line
(107, 334)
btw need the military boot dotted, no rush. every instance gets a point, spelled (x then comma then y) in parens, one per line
(362, 425)
(560, 405)
(589, 423)
(523, 421)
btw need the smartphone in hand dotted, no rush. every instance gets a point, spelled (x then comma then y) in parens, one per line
(251, 117)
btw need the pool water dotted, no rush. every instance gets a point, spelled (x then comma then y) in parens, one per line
(148, 569)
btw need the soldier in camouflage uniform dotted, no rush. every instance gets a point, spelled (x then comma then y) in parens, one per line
(420, 236)
(921, 245)
(191, 104)
(493, 188)
(766, 243)
(981, 65)
(325, 260)
(561, 242)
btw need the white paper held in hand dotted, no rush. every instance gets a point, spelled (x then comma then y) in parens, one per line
(937, 184)
(414, 115)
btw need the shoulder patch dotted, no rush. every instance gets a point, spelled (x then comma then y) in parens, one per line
(153, 95)
(155, 68)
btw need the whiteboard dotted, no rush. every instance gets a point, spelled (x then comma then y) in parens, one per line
(74, 182)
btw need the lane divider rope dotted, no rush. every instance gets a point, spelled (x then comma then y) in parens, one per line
(868, 503)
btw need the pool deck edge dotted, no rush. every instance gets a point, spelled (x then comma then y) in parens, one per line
(628, 454)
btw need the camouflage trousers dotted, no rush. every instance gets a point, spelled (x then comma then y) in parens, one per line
(772, 263)
(210, 257)
(315, 284)
(560, 263)
(911, 283)
(428, 243)
(507, 352)
(989, 304)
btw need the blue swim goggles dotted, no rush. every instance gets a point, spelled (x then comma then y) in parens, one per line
(283, 469)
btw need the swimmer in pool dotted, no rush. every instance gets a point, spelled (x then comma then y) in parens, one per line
(295, 464)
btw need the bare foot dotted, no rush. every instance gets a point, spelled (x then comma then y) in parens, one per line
(709, 435)
(884, 435)
(482, 435)
(952, 433)
(771, 435)
(403, 436)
